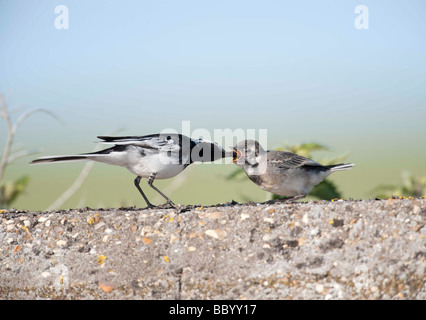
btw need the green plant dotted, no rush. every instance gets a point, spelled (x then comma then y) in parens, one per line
(410, 186)
(326, 190)
(11, 190)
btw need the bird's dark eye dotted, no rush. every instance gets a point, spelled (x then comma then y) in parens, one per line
(254, 151)
(168, 137)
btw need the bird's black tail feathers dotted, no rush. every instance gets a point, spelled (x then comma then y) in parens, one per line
(59, 159)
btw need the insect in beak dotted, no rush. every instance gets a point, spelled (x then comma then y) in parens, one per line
(236, 155)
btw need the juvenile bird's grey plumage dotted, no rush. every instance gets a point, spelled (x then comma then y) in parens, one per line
(280, 172)
(155, 156)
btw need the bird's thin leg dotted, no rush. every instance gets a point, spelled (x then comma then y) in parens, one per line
(288, 199)
(137, 181)
(283, 200)
(301, 196)
(150, 183)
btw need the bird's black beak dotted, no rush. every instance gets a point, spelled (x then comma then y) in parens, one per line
(228, 154)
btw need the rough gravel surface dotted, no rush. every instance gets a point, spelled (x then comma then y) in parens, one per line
(369, 249)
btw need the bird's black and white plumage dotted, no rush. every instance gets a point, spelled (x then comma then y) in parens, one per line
(280, 172)
(155, 156)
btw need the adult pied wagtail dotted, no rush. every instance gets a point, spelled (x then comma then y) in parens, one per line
(155, 156)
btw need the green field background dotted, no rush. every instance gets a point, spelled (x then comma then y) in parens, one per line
(202, 184)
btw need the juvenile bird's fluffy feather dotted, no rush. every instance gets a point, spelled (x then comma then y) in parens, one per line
(281, 172)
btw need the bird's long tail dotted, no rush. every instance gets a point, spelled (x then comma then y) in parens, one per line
(101, 156)
(341, 166)
(59, 159)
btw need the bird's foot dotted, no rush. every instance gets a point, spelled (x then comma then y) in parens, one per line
(295, 198)
(168, 205)
(285, 200)
(171, 204)
(150, 206)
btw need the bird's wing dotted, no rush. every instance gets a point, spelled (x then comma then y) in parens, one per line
(163, 141)
(288, 160)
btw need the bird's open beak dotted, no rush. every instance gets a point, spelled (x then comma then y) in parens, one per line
(235, 155)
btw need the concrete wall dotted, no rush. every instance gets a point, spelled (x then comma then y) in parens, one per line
(316, 250)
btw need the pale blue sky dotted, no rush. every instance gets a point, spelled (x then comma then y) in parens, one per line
(298, 68)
